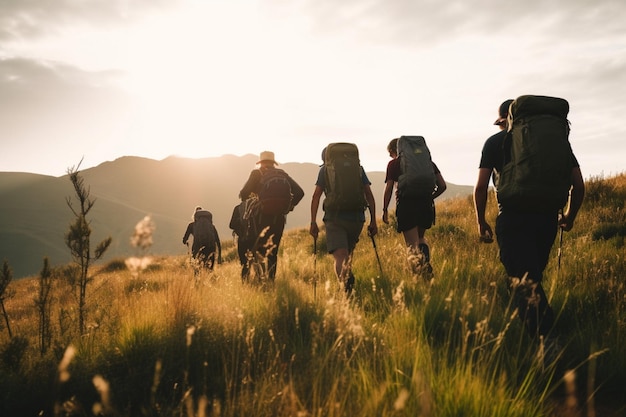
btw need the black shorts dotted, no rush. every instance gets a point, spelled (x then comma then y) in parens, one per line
(412, 213)
(525, 241)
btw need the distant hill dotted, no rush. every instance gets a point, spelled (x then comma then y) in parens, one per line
(34, 215)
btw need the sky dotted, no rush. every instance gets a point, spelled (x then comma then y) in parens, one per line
(95, 80)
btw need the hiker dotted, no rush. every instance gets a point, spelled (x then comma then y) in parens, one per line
(205, 239)
(347, 193)
(277, 194)
(414, 213)
(525, 235)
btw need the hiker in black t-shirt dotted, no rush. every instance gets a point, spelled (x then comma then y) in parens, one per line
(525, 238)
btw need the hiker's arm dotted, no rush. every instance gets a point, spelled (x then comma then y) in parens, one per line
(315, 203)
(387, 199)
(297, 191)
(187, 233)
(441, 185)
(251, 185)
(577, 195)
(219, 246)
(371, 206)
(480, 204)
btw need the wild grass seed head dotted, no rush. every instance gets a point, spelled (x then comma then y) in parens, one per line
(68, 356)
(398, 298)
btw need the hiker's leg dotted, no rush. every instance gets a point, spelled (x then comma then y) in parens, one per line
(342, 268)
(514, 243)
(539, 317)
(411, 238)
(243, 246)
(341, 239)
(546, 231)
(276, 232)
(421, 231)
(211, 261)
(196, 259)
(522, 253)
(205, 258)
(415, 216)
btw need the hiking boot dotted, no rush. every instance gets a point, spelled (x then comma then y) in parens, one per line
(245, 274)
(423, 247)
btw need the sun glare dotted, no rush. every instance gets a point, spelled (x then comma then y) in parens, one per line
(200, 79)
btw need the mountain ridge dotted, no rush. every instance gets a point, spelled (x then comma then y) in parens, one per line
(34, 215)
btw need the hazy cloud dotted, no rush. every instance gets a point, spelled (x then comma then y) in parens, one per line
(411, 22)
(24, 19)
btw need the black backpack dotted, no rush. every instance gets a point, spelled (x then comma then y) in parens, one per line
(275, 195)
(242, 222)
(204, 235)
(417, 177)
(344, 184)
(537, 170)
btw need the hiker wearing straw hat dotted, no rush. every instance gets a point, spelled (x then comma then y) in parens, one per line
(270, 194)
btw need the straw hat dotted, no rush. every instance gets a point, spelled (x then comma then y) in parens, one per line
(267, 156)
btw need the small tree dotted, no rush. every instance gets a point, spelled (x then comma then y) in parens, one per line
(43, 302)
(5, 279)
(77, 240)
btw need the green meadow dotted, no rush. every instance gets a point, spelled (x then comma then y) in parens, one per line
(162, 341)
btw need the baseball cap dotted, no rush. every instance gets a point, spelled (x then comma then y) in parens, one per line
(503, 111)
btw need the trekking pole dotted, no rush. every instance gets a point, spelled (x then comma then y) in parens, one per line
(559, 251)
(380, 266)
(315, 268)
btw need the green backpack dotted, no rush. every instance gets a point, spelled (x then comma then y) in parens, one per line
(537, 170)
(344, 185)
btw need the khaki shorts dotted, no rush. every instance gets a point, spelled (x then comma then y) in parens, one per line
(342, 234)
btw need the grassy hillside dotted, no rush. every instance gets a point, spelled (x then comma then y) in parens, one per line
(166, 343)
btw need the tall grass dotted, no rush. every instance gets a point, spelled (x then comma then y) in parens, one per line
(168, 343)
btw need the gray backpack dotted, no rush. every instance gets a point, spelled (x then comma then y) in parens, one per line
(417, 177)
(204, 235)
